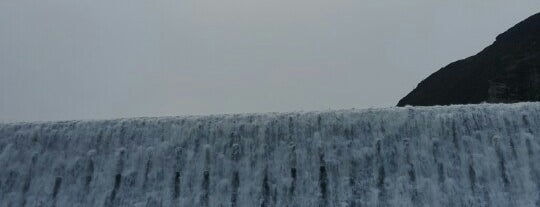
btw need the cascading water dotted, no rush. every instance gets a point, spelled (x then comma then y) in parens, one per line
(477, 155)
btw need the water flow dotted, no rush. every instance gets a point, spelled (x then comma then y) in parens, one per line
(483, 155)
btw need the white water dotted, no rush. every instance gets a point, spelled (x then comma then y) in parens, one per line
(483, 155)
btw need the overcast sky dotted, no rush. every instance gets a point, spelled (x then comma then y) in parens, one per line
(95, 59)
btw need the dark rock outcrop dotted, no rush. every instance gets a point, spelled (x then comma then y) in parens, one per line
(506, 71)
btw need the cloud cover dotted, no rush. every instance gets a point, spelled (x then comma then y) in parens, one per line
(93, 59)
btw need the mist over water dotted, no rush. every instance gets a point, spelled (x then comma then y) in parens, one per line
(482, 155)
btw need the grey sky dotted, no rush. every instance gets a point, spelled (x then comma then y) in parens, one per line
(93, 59)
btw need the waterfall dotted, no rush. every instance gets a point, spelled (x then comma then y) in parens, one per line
(473, 155)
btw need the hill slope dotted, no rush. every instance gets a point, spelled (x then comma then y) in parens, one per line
(505, 72)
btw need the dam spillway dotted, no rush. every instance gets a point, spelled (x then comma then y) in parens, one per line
(471, 155)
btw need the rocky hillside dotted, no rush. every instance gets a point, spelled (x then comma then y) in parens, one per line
(507, 71)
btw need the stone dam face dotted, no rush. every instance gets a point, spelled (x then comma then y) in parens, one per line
(475, 155)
